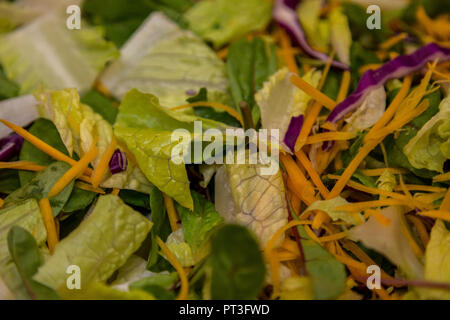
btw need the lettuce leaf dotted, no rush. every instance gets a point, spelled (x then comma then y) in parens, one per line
(28, 216)
(180, 248)
(437, 261)
(246, 197)
(430, 147)
(100, 291)
(133, 270)
(390, 241)
(46, 53)
(329, 206)
(219, 21)
(100, 245)
(153, 157)
(341, 36)
(279, 100)
(12, 16)
(316, 30)
(162, 59)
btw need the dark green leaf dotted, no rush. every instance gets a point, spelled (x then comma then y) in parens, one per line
(46, 131)
(8, 89)
(9, 181)
(237, 264)
(102, 105)
(198, 224)
(79, 199)
(432, 7)
(39, 187)
(157, 285)
(332, 84)
(25, 253)
(135, 198)
(161, 228)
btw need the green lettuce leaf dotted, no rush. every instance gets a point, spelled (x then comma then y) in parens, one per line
(390, 241)
(100, 245)
(329, 206)
(180, 248)
(133, 270)
(46, 53)
(162, 59)
(100, 291)
(245, 196)
(219, 21)
(28, 216)
(158, 285)
(199, 223)
(40, 186)
(316, 30)
(437, 261)
(279, 100)
(341, 36)
(430, 147)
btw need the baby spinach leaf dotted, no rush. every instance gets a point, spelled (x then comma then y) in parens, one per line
(8, 89)
(9, 181)
(157, 285)
(78, 200)
(198, 224)
(39, 187)
(161, 228)
(100, 104)
(46, 131)
(135, 198)
(237, 264)
(24, 251)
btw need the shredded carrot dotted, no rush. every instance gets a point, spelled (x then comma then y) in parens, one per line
(421, 229)
(418, 187)
(437, 214)
(359, 206)
(368, 67)
(115, 191)
(312, 173)
(310, 119)
(288, 56)
(330, 136)
(326, 70)
(232, 112)
(313, 92)
(184, 291)
(2, 202)
(282, 255)
(101, 88)
(88, 187)
(102, 166)
(393, 41)
(393, 55)
(442, 177)
(75, 171)
(223, 54)
(381, 219)
(49, 222)
(380, 171)
(345, 85)
(445, 205)
(21, 165)
(413, 244)
(333, 237)
(38, 143)
(171, 212)
(298, 178)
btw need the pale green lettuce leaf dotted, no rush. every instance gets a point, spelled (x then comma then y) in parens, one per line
(329, 206)
(219, 21)
(437, 261)
(133, 270)
(180, 248)
(279, 100)
(316, 30)
(100, 245)
(245, 196)
(100, 291)
(12, 16)
(369, 112)
(162, 59)
(77, 125)
(341, 36)
(430, 148)
(297, 288)
(28, 216)
(46, 53)
(153, 151)
(390, 241)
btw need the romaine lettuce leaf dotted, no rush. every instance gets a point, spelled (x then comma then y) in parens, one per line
(245, 196)
(316, 30)
(341, 36)
(28, 216)
(219, 21)
(279, 100)
(162, 59)
(430, 148)
(437, 261)
(133, 270)
(46, 53)
(390, 241)
(100, 291)
(153, 151)
(100, 245)
(180, 248)
(12, 16)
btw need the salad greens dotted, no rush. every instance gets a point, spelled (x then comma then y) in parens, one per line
(313, 148)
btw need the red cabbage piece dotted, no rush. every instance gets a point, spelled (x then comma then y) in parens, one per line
(397, 68)
(293, 131)
(118, 162)
(285, 15)
(10, 146)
